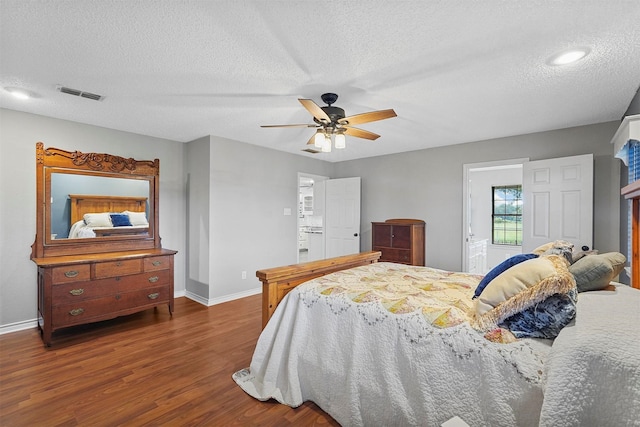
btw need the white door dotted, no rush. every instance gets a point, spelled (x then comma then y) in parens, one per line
(558, 201)
(342, 217)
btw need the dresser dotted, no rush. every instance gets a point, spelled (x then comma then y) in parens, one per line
(79, 289)
(400, 240)
(104, 259)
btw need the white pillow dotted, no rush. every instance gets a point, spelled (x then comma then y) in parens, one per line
(97, 219)
(137, 218)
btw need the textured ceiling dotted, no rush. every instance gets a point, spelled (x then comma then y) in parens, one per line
(455, 71)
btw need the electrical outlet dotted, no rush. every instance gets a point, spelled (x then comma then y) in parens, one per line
(244, 275)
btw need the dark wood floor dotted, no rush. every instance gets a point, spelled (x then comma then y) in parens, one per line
(144, 369)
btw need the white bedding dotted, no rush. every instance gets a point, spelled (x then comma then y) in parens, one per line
(592, 375)
(79, 230)
(366, 364)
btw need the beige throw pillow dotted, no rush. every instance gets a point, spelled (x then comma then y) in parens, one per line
(520, 287)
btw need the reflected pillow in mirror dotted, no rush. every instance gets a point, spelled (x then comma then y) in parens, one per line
(137, 218)
(120, 220)
(97, 219)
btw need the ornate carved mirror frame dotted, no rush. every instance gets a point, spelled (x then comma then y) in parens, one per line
(52, 161)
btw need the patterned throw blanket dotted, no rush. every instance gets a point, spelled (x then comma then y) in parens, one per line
(442, 297)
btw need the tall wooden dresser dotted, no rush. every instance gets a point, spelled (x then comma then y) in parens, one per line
(400, 240)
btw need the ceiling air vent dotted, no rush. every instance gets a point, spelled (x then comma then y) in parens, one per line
(311, 150)
(80, 93)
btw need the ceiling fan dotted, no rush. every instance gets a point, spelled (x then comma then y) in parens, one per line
(331, 123)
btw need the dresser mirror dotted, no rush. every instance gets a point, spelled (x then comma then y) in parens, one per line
(94, 202)
(70, 192)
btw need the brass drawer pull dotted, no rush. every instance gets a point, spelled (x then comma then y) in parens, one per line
(153, 279)
(71, 273)
(119, 264)
(76, 292)
(156, 263)
(153, 295)
(76, 311)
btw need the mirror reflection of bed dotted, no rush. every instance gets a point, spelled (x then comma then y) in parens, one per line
(98, 216)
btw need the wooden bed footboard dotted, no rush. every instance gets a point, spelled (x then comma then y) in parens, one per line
(278, 281)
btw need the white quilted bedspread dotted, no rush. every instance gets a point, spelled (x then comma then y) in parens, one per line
(592, 375)
(370, 358)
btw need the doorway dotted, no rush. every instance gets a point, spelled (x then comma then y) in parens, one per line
(556, 204)
(311, 201)
(479, 255)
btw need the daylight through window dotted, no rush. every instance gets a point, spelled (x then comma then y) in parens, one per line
(507, 215)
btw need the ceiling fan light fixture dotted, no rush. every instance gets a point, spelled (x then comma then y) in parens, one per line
(318, 140)
(326, 145)
(332, 125)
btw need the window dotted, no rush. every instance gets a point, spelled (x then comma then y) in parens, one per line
(507, 215)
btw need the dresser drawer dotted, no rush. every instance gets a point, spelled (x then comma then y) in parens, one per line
(118, 268)
(157, 263)
(71, 273)
(107, 307)
(79, 291)
(401, 256)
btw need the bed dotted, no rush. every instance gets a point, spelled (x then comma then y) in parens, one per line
(368, 347)
(99, 216)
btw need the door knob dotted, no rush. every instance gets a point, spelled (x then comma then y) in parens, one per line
(355, 234)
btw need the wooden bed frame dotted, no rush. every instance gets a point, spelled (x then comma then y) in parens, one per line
(278, 281)
(82, 204)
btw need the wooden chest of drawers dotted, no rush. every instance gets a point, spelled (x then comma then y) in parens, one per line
(399, 240)
(80, 289)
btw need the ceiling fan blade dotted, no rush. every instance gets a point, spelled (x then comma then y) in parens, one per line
(315, 110)
(290, 126)
(359, 133)
(312, 140)
(368, 117)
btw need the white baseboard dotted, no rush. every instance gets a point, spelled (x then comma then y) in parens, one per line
(18, 326)
(195, 297)
(220, 300)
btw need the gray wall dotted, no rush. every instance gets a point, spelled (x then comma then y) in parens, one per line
(19, 133)
(427, 185)
(249, 189)
(234, 220)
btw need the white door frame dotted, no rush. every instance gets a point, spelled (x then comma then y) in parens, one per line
(466, 169)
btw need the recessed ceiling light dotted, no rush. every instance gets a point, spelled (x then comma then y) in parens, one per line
(18, 93)
(569, 56)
